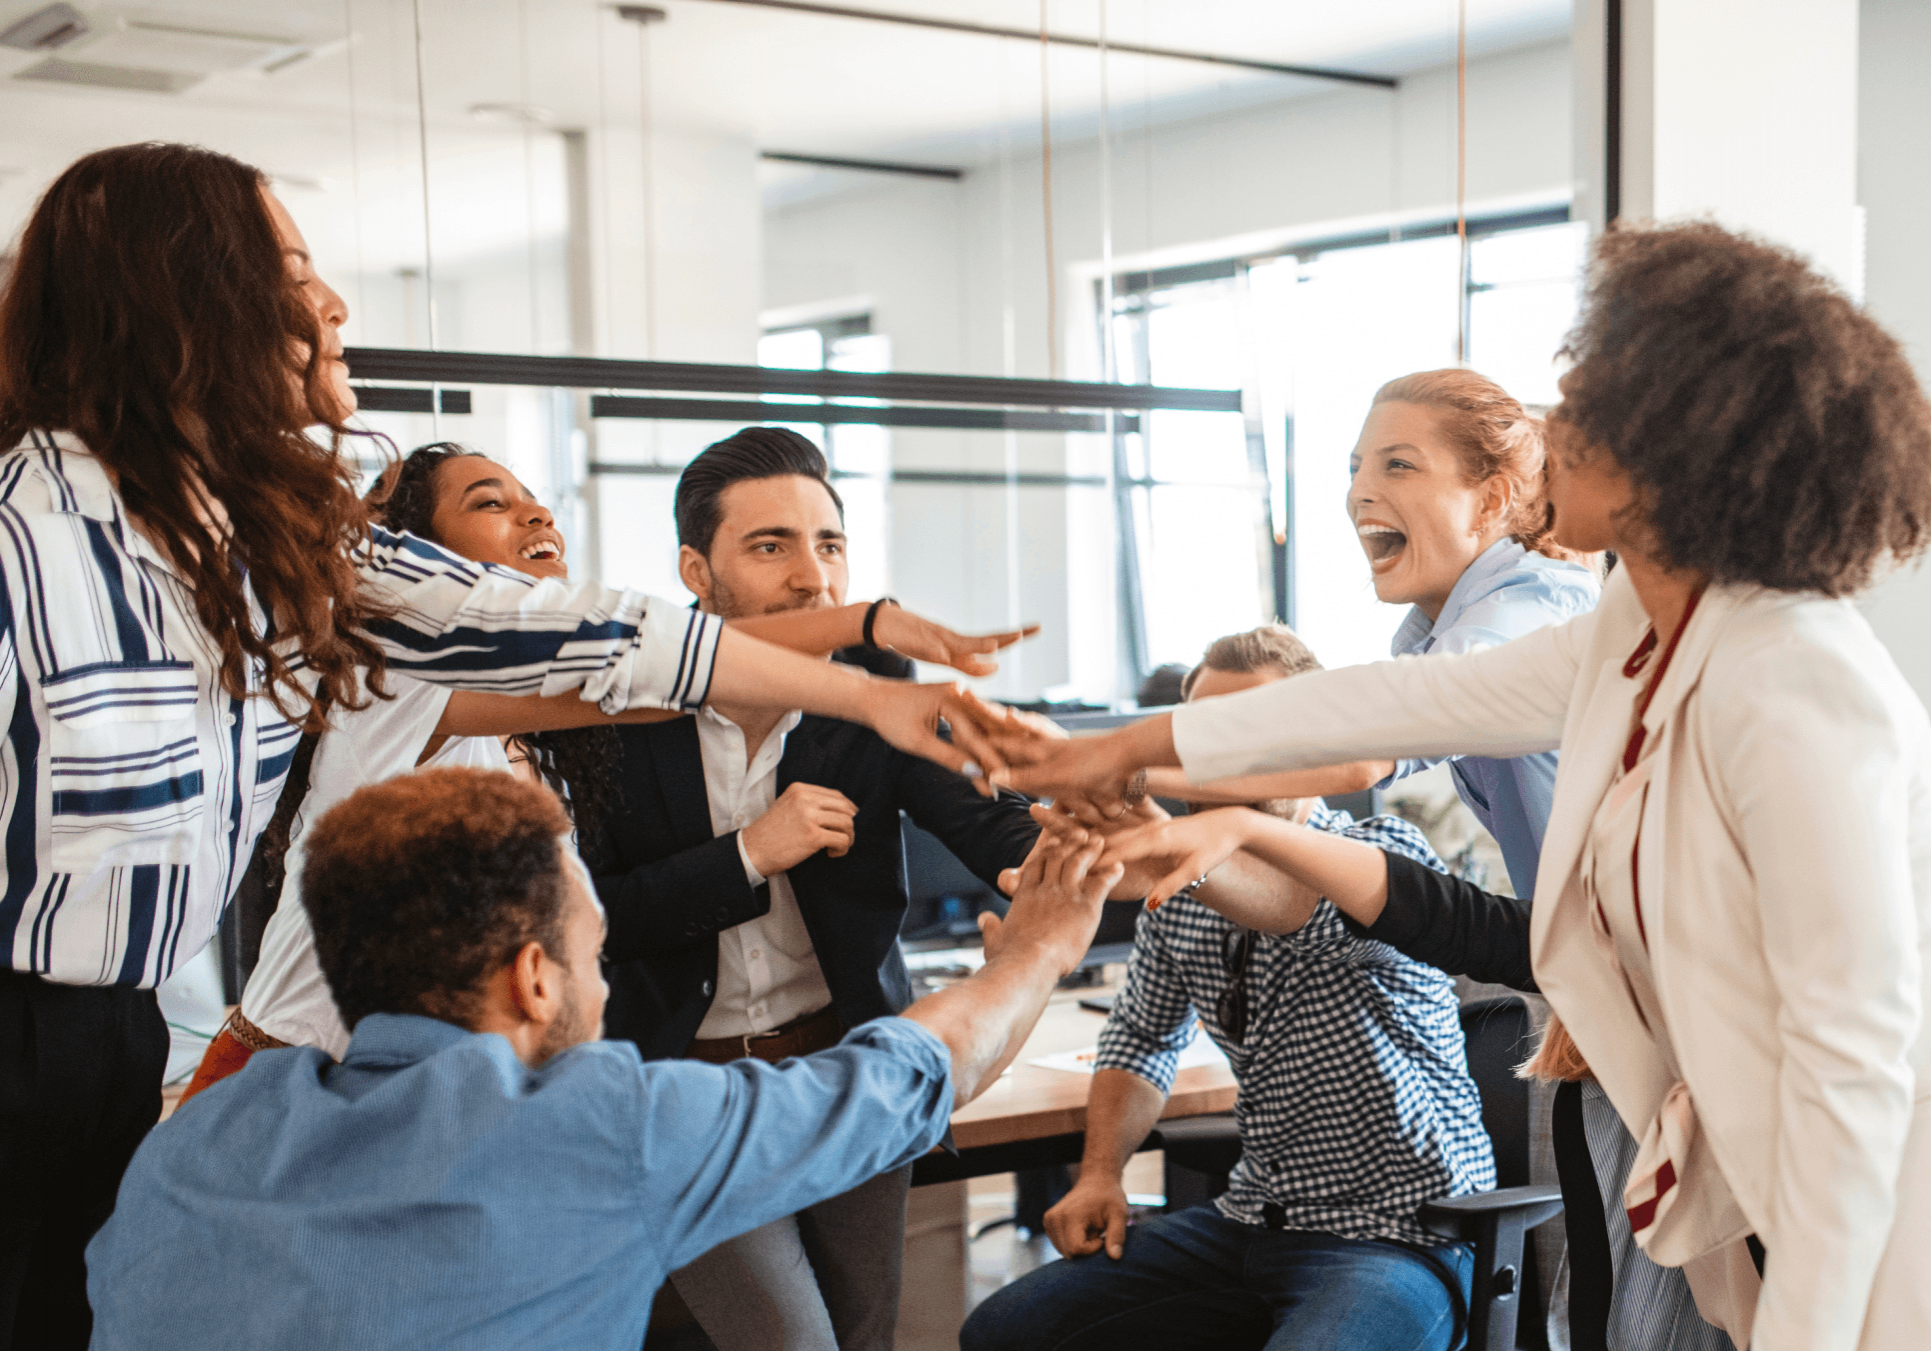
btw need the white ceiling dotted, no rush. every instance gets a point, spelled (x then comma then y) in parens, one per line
(784, 81)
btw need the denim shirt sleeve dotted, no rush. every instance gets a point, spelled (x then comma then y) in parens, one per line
(725, 1149)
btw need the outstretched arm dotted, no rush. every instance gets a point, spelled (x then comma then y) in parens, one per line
(1502, 701)
(1419, 912)
(1353, 777)
(812, 632)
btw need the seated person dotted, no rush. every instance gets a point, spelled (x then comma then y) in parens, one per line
(754, 875)
(1355, 1107)
(480, 1170)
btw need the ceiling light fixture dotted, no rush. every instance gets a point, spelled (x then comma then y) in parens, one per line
(522, 114)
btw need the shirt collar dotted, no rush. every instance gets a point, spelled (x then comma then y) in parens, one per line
(75, 478)
(1417, 631)
(393, 1040)
(79, 485)
(785, 724)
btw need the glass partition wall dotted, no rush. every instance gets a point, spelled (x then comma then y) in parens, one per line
(1250, 201)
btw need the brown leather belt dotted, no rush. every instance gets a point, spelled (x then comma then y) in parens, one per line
(800, 1036)
(249, 1035)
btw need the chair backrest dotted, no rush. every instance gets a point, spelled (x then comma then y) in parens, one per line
(1500, 1036)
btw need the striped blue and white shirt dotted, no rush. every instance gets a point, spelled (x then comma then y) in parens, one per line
(132, 786)
(1355, 1102)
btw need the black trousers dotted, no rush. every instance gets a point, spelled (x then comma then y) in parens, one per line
(80, 1085)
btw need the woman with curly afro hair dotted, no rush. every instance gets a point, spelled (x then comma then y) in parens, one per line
(1730, 907)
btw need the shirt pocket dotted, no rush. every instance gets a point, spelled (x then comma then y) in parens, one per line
(123, 765)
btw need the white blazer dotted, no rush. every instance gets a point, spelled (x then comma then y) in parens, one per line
(1786, 875)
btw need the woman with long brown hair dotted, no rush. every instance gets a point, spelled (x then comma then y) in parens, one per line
(189, 582)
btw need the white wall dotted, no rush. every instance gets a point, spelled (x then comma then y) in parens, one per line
(1894, 186)
(955, 274)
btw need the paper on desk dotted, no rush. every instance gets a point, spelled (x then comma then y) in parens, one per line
(1200, 1051)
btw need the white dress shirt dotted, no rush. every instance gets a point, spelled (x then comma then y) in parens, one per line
(767, 970)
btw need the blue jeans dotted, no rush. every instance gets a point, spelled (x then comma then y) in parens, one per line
(1199, 1279)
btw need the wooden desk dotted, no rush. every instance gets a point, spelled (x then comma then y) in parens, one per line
(1035, 1116)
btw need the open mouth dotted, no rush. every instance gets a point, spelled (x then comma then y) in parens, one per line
(1383, 542)
(543, 551)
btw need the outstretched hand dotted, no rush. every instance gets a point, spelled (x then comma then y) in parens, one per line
(913, 635)
(1187, 848)
(1056, 898)
(908, 715)
(1078, 827)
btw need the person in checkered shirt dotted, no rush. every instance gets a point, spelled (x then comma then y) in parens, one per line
(1355, 1107)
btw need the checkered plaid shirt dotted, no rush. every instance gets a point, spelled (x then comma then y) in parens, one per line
(1355, 1102)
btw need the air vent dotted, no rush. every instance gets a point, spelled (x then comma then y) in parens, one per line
(150, 44)
(55, 71)
(45, 29)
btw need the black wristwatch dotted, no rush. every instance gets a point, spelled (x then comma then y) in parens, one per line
(871, 618)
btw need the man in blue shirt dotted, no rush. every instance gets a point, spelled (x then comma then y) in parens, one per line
(480, 1171)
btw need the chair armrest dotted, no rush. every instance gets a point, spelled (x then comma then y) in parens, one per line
(1453, 1215)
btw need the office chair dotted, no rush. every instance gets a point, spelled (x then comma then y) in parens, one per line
(1201, 1151)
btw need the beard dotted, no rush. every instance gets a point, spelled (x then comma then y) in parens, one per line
(728, 604)
(571, 1027)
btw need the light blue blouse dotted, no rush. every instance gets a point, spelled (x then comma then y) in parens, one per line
(1505, 593)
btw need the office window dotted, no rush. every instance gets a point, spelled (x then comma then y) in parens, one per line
(861, 457)
(1189, 488)
(1226, 528)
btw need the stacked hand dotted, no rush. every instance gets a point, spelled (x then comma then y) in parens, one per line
(1157, 854)
(1179, 852)
(922, 639)
(908, 716)
(1094, 769)
(1088, 824)
(1056, 897)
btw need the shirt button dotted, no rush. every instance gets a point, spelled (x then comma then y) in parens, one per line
(230, 720)
(708, 988)
(756, 953)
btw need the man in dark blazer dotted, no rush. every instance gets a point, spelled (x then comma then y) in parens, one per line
(754, 882)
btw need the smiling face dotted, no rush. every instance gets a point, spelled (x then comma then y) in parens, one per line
(780, 545)
(331, 311)
(483, 513)
(1419, 519)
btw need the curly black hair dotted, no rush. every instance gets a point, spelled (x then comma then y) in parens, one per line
(1775, 433)
(579, 763)
(419, 887)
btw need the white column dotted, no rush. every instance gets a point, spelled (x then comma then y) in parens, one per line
(1744, 111)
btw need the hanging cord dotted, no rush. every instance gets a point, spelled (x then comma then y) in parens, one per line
(1461, 180)
(601, 187)
(1109, 362)
(644, 93)
(428, 248)
(523, 116)
(1046, 189)
(355, 156)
